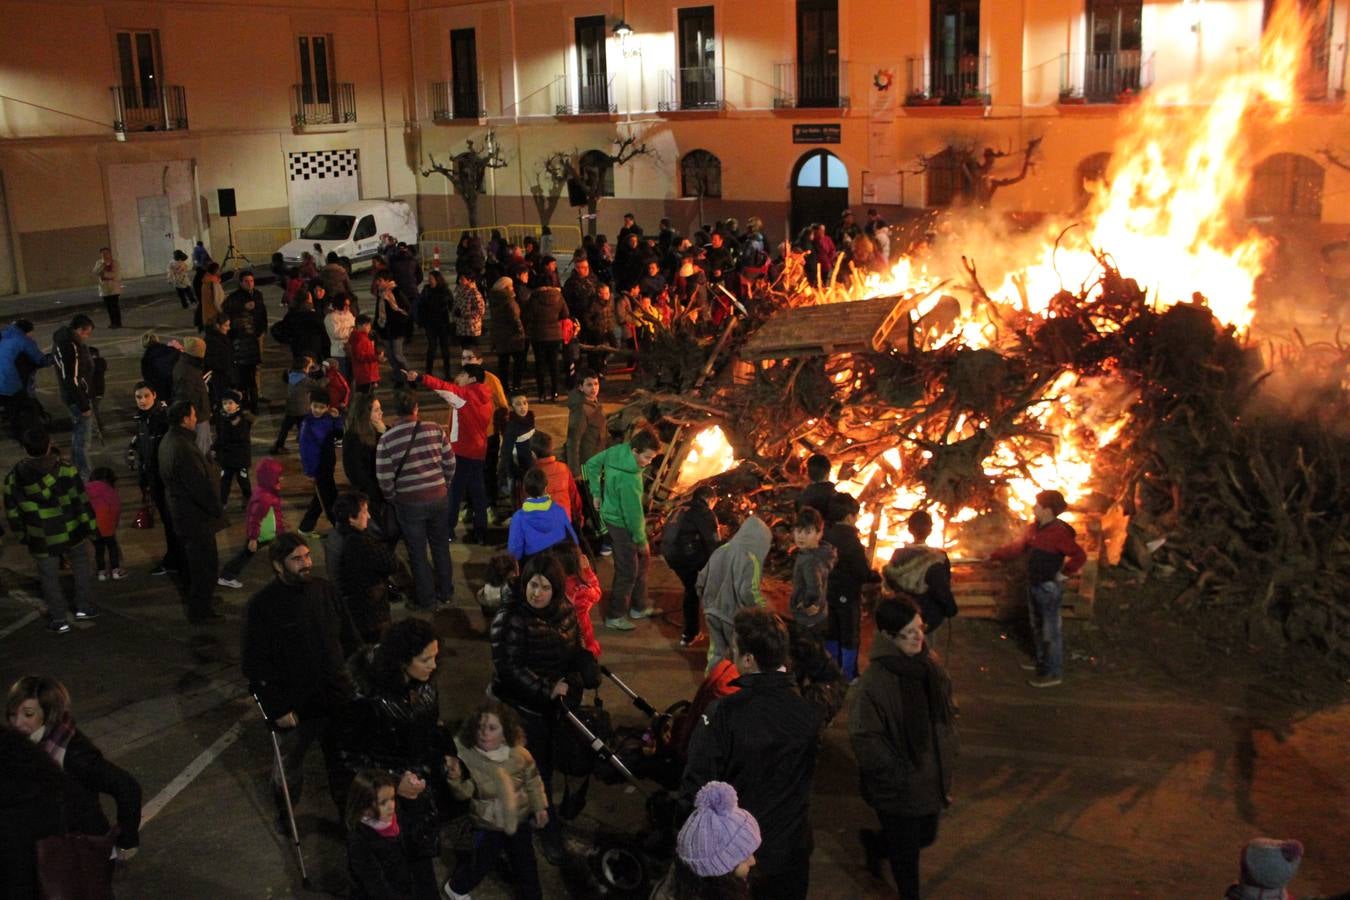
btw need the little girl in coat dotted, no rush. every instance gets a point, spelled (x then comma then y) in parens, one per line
(263, 520)
(582, 589)
(102, 490)
(376, 861)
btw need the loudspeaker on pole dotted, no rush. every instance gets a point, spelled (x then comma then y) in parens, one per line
(225, 199)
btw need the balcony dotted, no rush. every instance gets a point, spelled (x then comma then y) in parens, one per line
(312, 105)
(693, 88)
(594, 95)
(1321, 74)
(1114, 77)
(164, 109)
(813, 86)
(959, 81)
(450, 101)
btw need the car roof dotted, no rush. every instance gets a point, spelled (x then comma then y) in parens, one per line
(362, 207)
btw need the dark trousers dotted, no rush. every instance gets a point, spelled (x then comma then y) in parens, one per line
(295, 744)
(845, 623)
(494, 449)
(546, 367)
(185, 296)
(173, 554)
(511, 369)
(688, 575)
(597, 360)
(201, 564)
(902, 837)
(113, 304)
(438, 340)
(287, 423)
(325, 492)
(487, 847)
(468, 479)
(248, 387)
(238, 562)
(230, 476)
(789, 882)
(539, 739)
(107, 546)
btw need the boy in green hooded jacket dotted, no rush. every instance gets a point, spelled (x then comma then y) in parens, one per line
(614, 477)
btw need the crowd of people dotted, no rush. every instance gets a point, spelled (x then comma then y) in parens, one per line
(330, 663)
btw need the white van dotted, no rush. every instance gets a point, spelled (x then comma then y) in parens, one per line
(352, 231)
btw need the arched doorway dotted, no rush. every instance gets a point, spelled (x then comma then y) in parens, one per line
(819, 190)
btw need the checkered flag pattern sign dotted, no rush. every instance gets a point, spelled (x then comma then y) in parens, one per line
(323, 164)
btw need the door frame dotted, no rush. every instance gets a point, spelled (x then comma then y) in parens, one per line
(795, 218)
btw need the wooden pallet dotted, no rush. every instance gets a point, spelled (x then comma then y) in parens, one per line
(985, 591)
(858, 327)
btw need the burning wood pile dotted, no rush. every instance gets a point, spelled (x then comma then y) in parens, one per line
(1201, 458)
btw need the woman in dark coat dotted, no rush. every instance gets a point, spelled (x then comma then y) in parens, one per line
(393, 727)
(38, 706)
(506, 333)
(542, 318)
(365, 424)
(433, 313)
(537, 659)
(901, 724)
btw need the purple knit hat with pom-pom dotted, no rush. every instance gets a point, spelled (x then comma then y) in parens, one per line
(719, 836)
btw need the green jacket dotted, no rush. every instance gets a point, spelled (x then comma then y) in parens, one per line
(615, 482)
(47, 506)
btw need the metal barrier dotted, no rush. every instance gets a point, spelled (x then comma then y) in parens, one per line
(562, 240)
(258, 243)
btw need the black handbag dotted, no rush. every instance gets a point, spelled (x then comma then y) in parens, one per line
(572, 752)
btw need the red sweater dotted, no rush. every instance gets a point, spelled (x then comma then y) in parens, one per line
(470, 415)
(1050, 548)
(339, 392)
(365, 361)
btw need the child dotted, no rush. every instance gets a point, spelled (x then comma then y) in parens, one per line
(730, 583)
(582, 588)
(365, 360)
(715, 849)
(234, 447)
(502, 572)
(301, 381)
(1052, 554)
(319, 434)
(923, 573)
(339, 391)
(562, 487)
(540, 523)
(845, 587)
(818, 493)
(376, 860)
(515, 455)
(263, 520)
(102, 490)
(810, 571)
(688, 539)
(498, 777)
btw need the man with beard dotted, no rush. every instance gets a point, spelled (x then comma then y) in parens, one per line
(295, 639)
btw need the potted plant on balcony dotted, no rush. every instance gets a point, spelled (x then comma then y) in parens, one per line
(974, 97)
(919, 98)
(1127, 95)
(1071, 98)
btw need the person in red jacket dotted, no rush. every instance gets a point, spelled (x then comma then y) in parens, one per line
(562, 487)
(1052, 554)
(470, 402)
(365, 360)
(339, 391)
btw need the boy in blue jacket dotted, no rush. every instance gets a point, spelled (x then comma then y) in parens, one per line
(319, 434)
(539, 523)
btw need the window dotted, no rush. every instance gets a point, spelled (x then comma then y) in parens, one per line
(700, 174)
(365, 229)
(1115, 45)
(464, 71)
(316, 68)
(138, 68)
(592, 74)
(817, 53)
(698, 58)
(955, 48)
(1287, 186)
(597, 169)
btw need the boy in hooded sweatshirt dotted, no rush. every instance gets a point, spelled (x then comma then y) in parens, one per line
(301, 381)
(614, 477)
(811, 571)
(730, 583)
(540, 523)
(263, 520)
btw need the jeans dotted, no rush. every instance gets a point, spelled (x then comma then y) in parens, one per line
(107, 547)
(49, 574)
(438, 339)
(80, 426)
(1043, 605)
(468, 479)
(629, 588)
(546, 363)
(487, 848)
(325, 492)
(202, 563)
(393, 352)
(426, 524)
(295, 744)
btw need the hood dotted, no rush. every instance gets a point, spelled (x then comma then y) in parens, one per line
(538, 524)
(268, 474)
(823, 555)
(35, 468)
(63, 335)
(753, 537)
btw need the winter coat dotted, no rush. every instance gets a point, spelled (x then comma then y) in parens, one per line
(562, 488)
(364, 568)
(817, 495)
(924, 573)
(1050, 549)
(74, 368)
(730, 580)
(266, 496)
(234, 441)
(338, 324)
(906, 751)
(151, 426)
(597, 326)
(583, 590)
(365, 359)
(107, 506)
(694, 539)
(761, 740)
(470, 414)
(377, 866)
(292, 650)
(466, 310)
(157, 365)
(189, 384)
(533, 649)
(615, 482)
(537, 525)
(358, 462)
(394, 730)
(47, 506)
(501, 794)
(395, 322)
(251, 320)
(407, 272)
(433, 310)
(213, 302)
(303, 329)
(318, 444)
(544, 314)
(299, 385)
(587, 430)
(505, 329)
(579, 294)
(191, 487)
(90, 774)
(32, 789)
(109, 282)
(244, 346)
(339, 391)
(516, 455)
(219, 359)
(810, 584)
(851, 569)
(15, 344)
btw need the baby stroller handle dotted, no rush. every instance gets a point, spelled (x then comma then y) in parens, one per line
(643, 706)
(601, 750)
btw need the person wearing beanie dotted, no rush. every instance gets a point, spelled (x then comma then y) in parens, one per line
(715, 849)
(1266, 866)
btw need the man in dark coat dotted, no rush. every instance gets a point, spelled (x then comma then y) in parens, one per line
(292, 653)
(193, 494)
(762, 741)
(579, 291)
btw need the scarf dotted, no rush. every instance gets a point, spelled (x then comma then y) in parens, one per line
(385, 829)
(500, 755)
(54, 739)
(922, 696)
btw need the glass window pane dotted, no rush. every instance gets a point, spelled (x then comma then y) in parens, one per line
(127, 67)
(836, 176)
(321, 69)
(145, 64)
(306, 73)
(809, 175)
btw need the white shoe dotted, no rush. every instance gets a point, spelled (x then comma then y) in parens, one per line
(229, 582)
(451, 894)
(102, 576)
(118, 574)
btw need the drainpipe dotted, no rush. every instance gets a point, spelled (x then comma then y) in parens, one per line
(384, 113)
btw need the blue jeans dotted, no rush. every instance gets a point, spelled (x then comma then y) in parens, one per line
(426, 524)
(393, 352)
(49, 575)
(1043, 604)
(80, 426)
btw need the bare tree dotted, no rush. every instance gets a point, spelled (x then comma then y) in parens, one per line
(1335, 158)
(466, 172)
(973, 175)
(550, 177)
(701, 172)
(589, 169)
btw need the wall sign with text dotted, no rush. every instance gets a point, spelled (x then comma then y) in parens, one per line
(816, 134)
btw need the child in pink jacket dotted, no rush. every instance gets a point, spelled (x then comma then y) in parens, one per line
(262, 521)
(102, 490)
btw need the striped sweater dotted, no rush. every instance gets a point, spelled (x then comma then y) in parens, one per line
(47, 505)
(429, 467)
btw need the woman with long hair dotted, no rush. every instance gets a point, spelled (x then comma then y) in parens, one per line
(365, 424)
